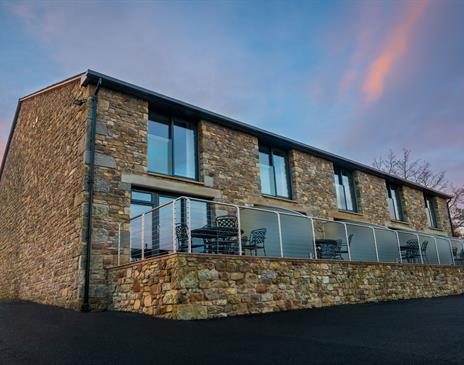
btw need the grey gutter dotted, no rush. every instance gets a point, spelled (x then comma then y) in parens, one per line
(10, 137)
(92, 77)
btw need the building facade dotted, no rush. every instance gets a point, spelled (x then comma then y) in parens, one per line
(150, 149)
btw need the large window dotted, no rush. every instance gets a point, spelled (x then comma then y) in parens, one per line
(346, 197)
(172, 146)
(274, 172)
(394, 202)
(430, 210)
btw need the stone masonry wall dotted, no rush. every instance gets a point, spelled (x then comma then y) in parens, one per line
(40, 210)
(372, 197)
(313, 183)
(230, 160)
(182, 286)
(120, 148)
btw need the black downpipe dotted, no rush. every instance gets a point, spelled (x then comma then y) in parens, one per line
(449, 217)
(90, 188)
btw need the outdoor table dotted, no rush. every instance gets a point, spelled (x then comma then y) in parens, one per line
(215, 233)
(324, 242)
(414, 251)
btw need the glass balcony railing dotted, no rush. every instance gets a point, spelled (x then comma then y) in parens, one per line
(202, 226)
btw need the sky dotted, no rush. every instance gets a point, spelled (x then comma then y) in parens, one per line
(355, 78)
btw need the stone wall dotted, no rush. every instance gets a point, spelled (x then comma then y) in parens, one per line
(120, 149)
(40, 209)
(182, 286)
(372, 198)
(313, 183)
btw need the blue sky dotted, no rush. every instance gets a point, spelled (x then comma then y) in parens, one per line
(355, 78)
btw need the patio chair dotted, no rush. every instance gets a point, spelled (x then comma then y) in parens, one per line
(411, 253)
(182, 237)
(227, 237)
(255, 242)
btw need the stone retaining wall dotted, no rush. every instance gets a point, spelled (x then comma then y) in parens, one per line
(198, 286)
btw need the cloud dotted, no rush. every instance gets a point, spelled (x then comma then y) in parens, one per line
(395, 46)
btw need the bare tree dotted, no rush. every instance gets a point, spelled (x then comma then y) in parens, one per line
(421, 172)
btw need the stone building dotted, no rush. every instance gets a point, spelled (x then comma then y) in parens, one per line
(89, 153)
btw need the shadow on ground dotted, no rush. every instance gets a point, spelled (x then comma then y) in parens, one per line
(406, 332)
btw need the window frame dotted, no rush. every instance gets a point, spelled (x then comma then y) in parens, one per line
(431, 211)
(262, 148)
(338, 175)
(398, 211)
(171, 120)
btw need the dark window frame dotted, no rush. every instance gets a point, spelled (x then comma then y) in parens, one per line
(398, 211)
(171, 120)
(338, 174)
(431, 211)
(270, 151)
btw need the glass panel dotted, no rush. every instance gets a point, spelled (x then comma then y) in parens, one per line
(135, 238)
(391, 208)
(159, 147)
(264, 226)
(266, 174)
(341, 202)
(409, 245)
(163, 226)
(184, 150)
(444, 251)
(362, 243)
(331, 240)
(281, 177)
(348, 192)
(457, 247)
(387, 245)
(137, 195)
(199, 218)
(297, 236)
(396, 197)
(428, 249)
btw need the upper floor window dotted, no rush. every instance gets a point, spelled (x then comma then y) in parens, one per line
(430, 210)
(274, 172)
(344, 186)
(394, 202)
(172, 146)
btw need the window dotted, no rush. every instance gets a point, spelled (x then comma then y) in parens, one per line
(274, 172)
(394, 202)
(346, 197)
(430, 211)
(172, 146)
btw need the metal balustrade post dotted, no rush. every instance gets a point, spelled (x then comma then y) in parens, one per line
(174, 245)
(436, 250)
(119, 244)
(280, 235)
(347, 242)
(239, 228)
(314, 238)
(420, 248)
(142, 237)
(451, 251)
(399, 246)
(189, 224)
(375, 244)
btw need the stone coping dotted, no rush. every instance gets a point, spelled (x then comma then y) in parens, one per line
(275, 259)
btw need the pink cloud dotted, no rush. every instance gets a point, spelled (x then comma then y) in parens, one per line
(395, 46)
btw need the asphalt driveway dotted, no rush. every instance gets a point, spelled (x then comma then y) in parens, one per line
(427, 331)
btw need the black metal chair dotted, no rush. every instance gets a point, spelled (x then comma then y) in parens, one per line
(255, 242)
(411, 253)
(182, 238)
(227, 233)
(330, 249)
